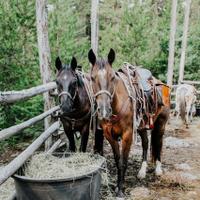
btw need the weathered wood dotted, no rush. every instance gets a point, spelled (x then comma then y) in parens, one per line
(6, 133)
(44, 57)
(95, 25)
(184, 40)
(172, 43)
(15, 164)
(191, 82)
(54, 146)
(62, 144)
(14, 96)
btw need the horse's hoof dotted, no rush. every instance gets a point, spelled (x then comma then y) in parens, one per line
(120, 198)
(142, 172)
(119, 194)
(158, 170)
(116, 190)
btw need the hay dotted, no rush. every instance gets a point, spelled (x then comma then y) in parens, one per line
(7, 189)
(47, 166)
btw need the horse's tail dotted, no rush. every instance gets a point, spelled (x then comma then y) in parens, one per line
(182, 105)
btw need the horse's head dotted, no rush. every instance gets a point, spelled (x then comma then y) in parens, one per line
(103, 83)
(67, 84)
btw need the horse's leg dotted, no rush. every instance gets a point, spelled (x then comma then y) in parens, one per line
(98, 146)
(157, 139)
(188, 109)
(124, 153)
(116, 152)
(70, 136)
(84, 138)
(144, 138)
(192, 112)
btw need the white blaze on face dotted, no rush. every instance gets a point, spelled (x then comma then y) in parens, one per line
(102, 80)
(65, 77)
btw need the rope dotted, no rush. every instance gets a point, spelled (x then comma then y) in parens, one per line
(87, 84)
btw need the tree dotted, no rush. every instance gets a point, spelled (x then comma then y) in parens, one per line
(172, 43)
(44, 57)
(94, 25)
(184, 40)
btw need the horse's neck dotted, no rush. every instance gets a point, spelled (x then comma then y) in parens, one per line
(120, 96)
(81, 105)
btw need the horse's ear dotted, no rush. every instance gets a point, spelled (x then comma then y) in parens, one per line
(58, 64)
(91, 57)
(111, 56)
(73, 63)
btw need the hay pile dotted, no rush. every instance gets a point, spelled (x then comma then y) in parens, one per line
(47, 166)
(7, 189)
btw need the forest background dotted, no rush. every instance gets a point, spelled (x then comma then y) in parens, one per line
(138, 31)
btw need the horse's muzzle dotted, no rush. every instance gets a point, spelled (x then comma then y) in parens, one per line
(104, 113)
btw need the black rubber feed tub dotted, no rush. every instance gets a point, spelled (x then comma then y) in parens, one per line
(85, 187)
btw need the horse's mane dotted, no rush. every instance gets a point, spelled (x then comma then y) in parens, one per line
(101, 63)
(76, 73)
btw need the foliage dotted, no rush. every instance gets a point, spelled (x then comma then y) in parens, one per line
(136, 31)
(67, 30)
(18, 59)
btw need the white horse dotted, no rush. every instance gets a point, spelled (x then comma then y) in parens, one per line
(185, 102)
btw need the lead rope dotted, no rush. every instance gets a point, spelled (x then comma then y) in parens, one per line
(88, 87)
(133, 100)
(135, 125)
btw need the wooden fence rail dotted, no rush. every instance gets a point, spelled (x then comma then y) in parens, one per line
(191, 82)
(54, 146)
(14, 96)
(6, 133)
(15, 164)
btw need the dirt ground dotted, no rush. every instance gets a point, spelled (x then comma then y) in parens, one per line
(181, 166)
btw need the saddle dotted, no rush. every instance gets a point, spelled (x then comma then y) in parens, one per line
(149, 95)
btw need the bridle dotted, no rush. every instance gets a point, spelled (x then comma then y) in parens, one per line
(72, 98)
(100, 92)
(68, 94)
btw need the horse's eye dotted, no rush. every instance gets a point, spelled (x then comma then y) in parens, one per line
(113, 77)
(73, 84)
(92, 78)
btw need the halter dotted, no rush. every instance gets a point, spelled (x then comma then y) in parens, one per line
(103, 92)
(68, 94)
(100, 92)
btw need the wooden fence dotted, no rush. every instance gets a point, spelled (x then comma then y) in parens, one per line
(12, 97)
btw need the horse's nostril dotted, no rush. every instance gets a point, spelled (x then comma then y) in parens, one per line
(110, 110)
(98, 110)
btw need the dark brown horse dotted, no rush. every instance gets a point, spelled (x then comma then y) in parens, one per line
(75, 105)
(115, 112)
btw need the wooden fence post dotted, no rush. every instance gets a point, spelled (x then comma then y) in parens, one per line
(44, 57)
(172, 43)
(184, 40)
(95, 25)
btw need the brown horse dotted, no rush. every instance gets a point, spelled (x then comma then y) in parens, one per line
(75, 105)
(115, 111)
